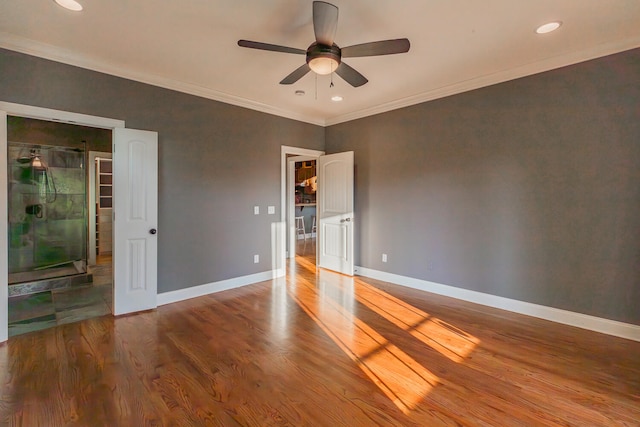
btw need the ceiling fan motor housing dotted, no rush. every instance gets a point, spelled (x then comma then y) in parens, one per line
(319, 51)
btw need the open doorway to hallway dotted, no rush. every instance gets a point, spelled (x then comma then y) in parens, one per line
(298, 242)
(304, 207)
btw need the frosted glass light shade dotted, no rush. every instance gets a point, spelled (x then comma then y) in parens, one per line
(323, 65)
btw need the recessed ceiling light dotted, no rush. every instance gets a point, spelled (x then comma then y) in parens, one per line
(70, 4)
(336, 98)
(548, 27)
(299, 92)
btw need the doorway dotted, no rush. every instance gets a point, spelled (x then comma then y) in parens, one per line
(135, 172)
(289, 156)
(302, 182)
(335, 208)
(28, 111)
(53, 277)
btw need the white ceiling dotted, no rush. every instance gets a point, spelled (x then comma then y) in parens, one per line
(191, 46)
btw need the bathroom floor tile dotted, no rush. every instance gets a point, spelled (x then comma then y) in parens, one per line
(82, 313)
(65, 305)
(32, 306)
(30, 325)
(77, 297)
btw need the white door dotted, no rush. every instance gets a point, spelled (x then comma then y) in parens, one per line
(135, 211)
(335, 212)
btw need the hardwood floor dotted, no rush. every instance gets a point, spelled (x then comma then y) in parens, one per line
(319, 349)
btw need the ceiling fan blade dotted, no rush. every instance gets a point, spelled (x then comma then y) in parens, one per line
(350, 75)
(271, 47)
(296, 75)
(384, 47)
(325, 22)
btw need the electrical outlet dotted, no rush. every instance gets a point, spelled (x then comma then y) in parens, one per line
(256, 210)
(256, 259)
(384, 257)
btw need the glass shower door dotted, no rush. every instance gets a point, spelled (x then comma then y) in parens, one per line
(47, 212)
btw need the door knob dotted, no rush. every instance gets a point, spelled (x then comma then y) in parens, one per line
(153, 231)
(346, 220)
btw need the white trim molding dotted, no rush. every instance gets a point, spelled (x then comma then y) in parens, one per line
(65, 56)
(40, 113)
(210, 288)
(584, 321)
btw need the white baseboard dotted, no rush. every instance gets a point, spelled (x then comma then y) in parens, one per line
(584, 321)
(223, 285)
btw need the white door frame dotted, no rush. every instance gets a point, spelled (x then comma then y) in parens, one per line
(20, 110)
(284, 152)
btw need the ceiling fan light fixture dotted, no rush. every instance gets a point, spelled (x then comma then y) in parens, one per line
(323, 59)
(548, 27)
(323, 65)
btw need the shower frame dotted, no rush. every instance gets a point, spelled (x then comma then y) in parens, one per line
(42, 277)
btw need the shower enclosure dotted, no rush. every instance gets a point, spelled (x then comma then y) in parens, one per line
(47, 214)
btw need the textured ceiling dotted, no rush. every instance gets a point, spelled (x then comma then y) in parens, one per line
(191, 46)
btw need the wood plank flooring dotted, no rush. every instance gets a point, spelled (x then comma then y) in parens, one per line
(319, 349)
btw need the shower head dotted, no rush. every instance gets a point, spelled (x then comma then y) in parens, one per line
(25, 158)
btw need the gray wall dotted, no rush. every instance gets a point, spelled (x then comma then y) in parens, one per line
(216, 161)
(528, 189)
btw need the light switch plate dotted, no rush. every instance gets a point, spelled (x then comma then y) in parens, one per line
(256, 210)
(271, 210)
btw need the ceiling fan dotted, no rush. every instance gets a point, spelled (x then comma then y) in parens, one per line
(324, 56)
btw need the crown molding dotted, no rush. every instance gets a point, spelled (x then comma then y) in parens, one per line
(53, 53)
(46, 51)
(567, 59)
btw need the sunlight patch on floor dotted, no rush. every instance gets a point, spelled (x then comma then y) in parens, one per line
(448, 340)
(400, 377)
